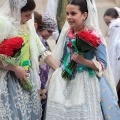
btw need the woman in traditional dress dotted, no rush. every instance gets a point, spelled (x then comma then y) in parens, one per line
(83, 97)
(16, 103)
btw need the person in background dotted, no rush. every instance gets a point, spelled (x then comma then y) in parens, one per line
(112, 20)
(110, 15)
(45, 26)
(16, 101)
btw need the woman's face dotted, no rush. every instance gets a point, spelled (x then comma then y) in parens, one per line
(108, 20)
(46, 34)
(74, 16)
(25, 16)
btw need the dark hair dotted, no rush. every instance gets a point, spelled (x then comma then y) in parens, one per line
(38, 20)
(111, 12)
(82, 4)
(30, 5)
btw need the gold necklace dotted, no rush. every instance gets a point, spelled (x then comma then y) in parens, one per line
(82, 28)
(23, 30)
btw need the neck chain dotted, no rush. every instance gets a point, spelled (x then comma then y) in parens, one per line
(82, 28)
(23, 30)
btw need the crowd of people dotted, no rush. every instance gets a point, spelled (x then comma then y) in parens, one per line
(78, 80)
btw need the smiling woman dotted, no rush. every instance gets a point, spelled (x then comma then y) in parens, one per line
(87, 94)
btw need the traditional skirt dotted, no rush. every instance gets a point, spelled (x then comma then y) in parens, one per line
(16, 103)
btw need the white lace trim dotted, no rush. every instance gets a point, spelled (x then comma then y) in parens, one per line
(24, 104)
(84, 91)
(100, 72)
(57, 111)
(36, 49)
(5, 31)
(45, 54)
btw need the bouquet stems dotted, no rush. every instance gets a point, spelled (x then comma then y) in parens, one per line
(28, 86)
(67, 73)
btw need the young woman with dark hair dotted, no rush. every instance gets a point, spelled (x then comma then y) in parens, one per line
(82, 96)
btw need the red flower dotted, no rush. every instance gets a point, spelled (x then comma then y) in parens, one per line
(89, 37)
(9, 46)
(69, 44)
(71, 34)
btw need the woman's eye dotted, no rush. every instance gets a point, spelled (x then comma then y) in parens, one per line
(73, 13)
(67, 13)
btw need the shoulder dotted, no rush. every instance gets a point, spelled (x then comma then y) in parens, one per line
(4, 20)
(6, 28)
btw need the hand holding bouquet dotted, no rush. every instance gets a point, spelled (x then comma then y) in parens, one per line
(10, 52)
(84, 42)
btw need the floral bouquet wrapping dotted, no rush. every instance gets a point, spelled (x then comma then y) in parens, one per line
(10, 50)
(84, 42)
(10, 53)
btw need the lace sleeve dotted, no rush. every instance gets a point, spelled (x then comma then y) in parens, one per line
(100, 60)
(44, 56)
(100, 67)
(42, 50)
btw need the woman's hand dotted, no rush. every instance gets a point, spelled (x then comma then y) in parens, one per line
(78, 58)
(21, 73)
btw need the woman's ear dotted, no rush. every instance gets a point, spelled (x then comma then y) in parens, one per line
(85, 15)
(36, 25)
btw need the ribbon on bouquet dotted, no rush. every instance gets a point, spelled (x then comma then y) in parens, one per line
(26, 63)
(28, 86)
(66, 64)
(90, 71)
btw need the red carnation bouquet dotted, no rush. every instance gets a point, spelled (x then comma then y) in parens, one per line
(10, 52)
(85, 42)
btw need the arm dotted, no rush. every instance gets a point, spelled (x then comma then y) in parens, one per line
(51, 62)
(80, 59)
(8, 67)
(19, 71)
(48, 59)
(46, 55)
(99, 64)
